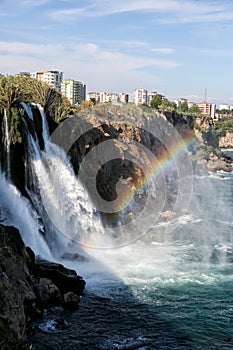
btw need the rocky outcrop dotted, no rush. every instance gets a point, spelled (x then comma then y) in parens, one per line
(226, 141)
(27, 286)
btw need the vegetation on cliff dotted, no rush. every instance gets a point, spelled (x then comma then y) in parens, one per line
(222, 126)
(16, 89)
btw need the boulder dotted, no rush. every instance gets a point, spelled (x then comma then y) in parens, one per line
(66, 280)
(219, 164)
(70, 300)
(48, 293)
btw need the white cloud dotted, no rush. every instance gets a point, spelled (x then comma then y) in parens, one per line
(25, 49)
(87, 62)
(182, 11)
(33, 3)
(164, 51)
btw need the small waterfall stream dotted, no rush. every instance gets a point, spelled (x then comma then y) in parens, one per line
(7, 144)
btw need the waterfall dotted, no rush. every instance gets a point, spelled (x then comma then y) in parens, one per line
(7, 145)
(17, 211)
(58, 197)
(45, 128)
(27, 109)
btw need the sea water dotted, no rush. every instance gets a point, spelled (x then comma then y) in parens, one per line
(174, 291)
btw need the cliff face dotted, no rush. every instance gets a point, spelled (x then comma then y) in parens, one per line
(124, 141)
(226, 141)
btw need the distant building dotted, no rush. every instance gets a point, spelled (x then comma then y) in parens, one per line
(74, 90)
(51, 77)
(140, 96)
(226, 107)
(207, 108)
(113, 97)
(123, 97)
(180, 100)
(93, 96)
(106, 97)
(190, 104)
(152, 94)
(24, 74)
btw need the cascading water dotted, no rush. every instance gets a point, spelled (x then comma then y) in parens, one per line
(16, 210)
(7, 144)
(62, 204)
(70, 214)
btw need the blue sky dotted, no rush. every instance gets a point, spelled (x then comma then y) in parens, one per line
(176, 47)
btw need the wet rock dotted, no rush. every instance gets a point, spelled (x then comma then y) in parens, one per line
(218, 164)
(167, 215)
(17, 297)
(71, 300)
(65, 279)
(28, 286)
(48, 293)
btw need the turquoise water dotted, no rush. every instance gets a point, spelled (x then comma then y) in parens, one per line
(173, 292)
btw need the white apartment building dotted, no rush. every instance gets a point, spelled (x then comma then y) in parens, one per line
(226, 107)
(51, 77)
(103, 97)
(93, 95)
(140, 96)
(152, 94)
(109, 97)
(74, 90)
(123, 97)
(207, 108)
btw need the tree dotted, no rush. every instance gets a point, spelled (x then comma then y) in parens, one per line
(155, 102)
(87, 104)
(183, 107)
(16, 89)
(10, 92)
(195, 109)
(93, 100)
(166, 105)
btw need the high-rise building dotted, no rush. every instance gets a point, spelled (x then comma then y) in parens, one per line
(140, 96)
(74, 90)
(51, 77)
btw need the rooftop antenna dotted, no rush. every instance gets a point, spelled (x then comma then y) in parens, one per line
(205, 94)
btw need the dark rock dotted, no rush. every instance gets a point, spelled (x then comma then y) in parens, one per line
(17, 297)
(28, 286)
(65, 279)
(48, 293)
(71, 300)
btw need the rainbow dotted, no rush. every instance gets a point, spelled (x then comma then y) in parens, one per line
(161, 165)
(177, 153)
